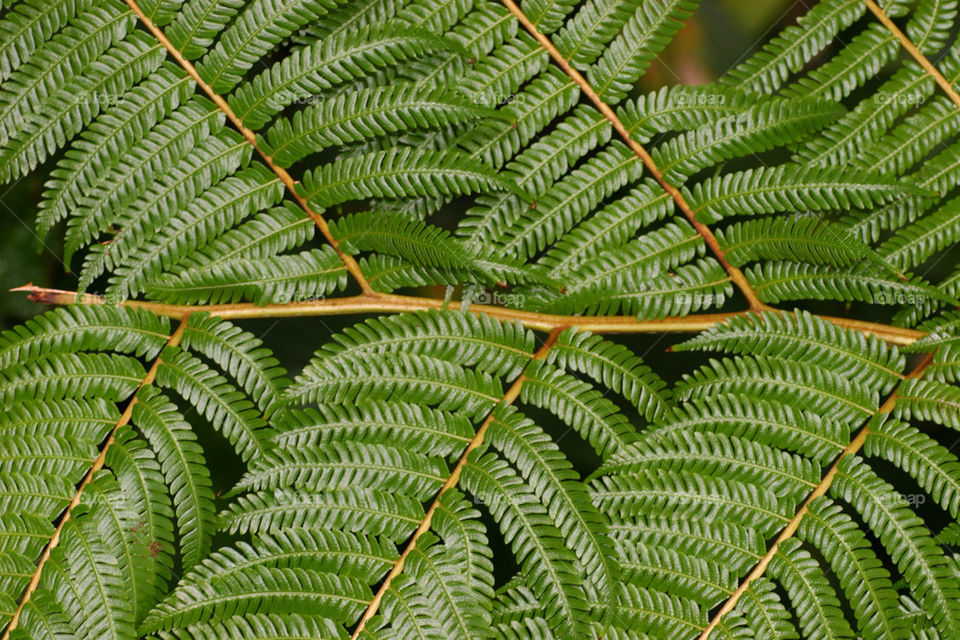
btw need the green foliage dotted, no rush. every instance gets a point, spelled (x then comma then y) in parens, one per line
(453, 474)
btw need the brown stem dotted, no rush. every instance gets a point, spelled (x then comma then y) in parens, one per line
(508, 398)
(390, 303)
(96, 466)
(735, 274)
(251, 137)
(821, 489)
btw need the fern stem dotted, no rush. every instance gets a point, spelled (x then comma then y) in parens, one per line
(251, 137)
(391, 303)
(821, 489)
(711, 240)
(96, 466)
(508, 398)
(914, 52)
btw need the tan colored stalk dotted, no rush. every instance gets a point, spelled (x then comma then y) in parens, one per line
(512, 393)
(251, 137)
(914, 52)
(711, 240)
(390, 303)
(821, 489)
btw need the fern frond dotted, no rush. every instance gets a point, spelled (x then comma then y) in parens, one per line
(289, 625)
(692, 287)
(261, 26)
(354, 510)
(85, 574)
(866, 583)
(916, 242)
(286, 590)
(356, 116)
(615, 367)
(80, 328)
(446, 474)
(28, 25)
(765, 126)
(812, 386)
(903, 536)
(787, 52)
(793, 188)
(936, 470)
(552, 478)
(801, 239)
(778, 281)
(210, 163)
(410, 426)
(537, 543)
(762, 609)
(466, 340)
(198, 23)
(451, 601)
(869, 119)
(417, 242)
(708, 498)
(609, 231)
(681, 108)
(861, 59)
(264, 235)
(811, 595)
(59, 60)
(72, 375)
(426, 379)
(570, 200)
(305, 276)
(140, 507)
(164, 146)
(217, 209)
(650, 611)
(716, 454)
(240, 354)
(643, 36)
(396, 173)
(368, 466)
(60, 116)
(107, 138)
(218, 400)
(184, 468)
(929, 400)
(911, 140)
(595, 418)
(802, 336)
(690, 577)
(65, 457)
(764, 421)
